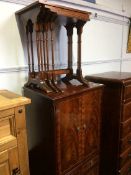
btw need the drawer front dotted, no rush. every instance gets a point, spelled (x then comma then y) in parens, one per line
(89, 166)
(126, 128)
(126, 143)
(7, 133)
(75, 171)
(7, 127)
(7, 112)
(125, 157)
(93, 171)
(127, 92)
(126, 169)
(126, 111)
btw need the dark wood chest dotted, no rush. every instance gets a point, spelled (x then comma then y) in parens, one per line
(116, 123)
(64, 131)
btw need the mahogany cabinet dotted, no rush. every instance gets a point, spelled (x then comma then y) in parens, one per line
(116, 123)
(64, 131)
(13, 141)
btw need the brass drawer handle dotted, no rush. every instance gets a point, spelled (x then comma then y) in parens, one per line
(20, 111)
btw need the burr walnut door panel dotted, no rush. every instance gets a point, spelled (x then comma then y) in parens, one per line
(91, 122)
(68, 116)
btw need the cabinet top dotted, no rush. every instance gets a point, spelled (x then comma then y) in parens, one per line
(69, 91)
(116, 77)
(9, 100)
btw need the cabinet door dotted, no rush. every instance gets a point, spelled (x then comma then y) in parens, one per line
(91, 103)
(9, 164)
(68, 117)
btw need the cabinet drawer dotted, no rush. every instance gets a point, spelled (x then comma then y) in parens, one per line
(7, 112)
(125, 157)
(7, 126)
(93, 171)
(75, 171)
(7, 133)
(127, 92)
(126, 169)
(126, 111)
(86, 168)
(87, 165)
(126, 128)
(125, 143)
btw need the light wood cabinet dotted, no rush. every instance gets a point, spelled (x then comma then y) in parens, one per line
(13, 141)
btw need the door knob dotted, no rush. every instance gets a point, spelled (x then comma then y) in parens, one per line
(84, 127)
(78, 129)
(20, 111)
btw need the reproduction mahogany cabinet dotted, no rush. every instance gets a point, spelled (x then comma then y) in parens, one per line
(64, 118)
(116, 123)
(64, 131)
(13, 141)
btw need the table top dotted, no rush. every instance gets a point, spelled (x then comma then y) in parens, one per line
(9, 100)
(112, 76)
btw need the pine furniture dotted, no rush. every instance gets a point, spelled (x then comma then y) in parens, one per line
(13, 139)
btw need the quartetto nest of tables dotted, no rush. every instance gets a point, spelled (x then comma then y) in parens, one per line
(40, 36)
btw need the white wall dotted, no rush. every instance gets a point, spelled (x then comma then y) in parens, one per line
(124, 5)
(11, 52)
(105, 37)
(104, 43)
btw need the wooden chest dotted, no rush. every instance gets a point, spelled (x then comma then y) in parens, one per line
(13, 141)
(116, 123)
(64, 131)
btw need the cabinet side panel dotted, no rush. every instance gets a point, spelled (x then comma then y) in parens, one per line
(111, 113)
(40, 132)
